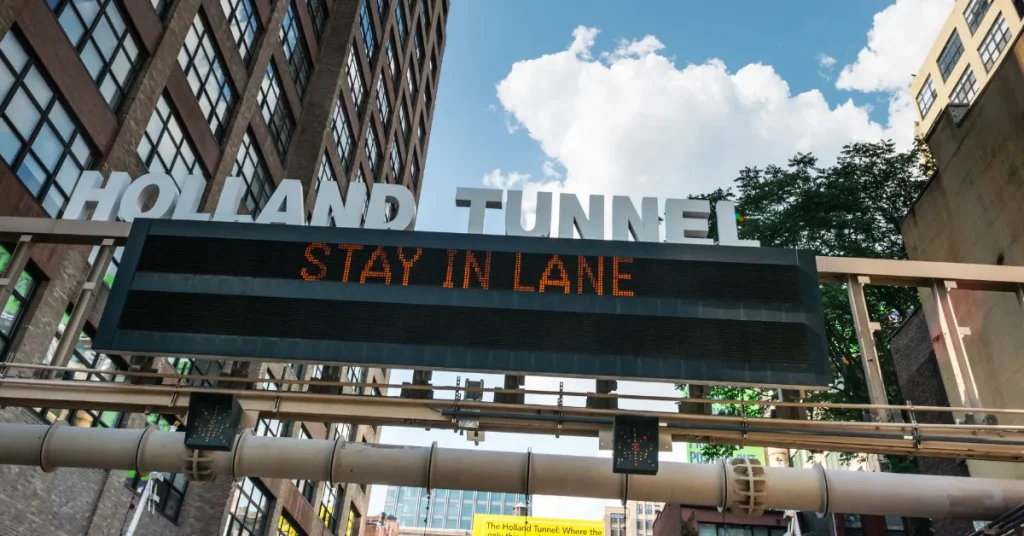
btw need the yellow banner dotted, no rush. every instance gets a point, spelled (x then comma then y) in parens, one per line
(491, 525)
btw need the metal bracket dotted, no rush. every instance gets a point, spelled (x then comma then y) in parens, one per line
(561, 414)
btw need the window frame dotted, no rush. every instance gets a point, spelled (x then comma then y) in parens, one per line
(127, 35)
(373, 151)
(950, 56)
(245, 43)
(28, 161)
(383, 104)
(997, 39)
(34, 277)
(300, 62)
(356, 82)
(318, 13)
(278, 117)
(961, 88)
(974, 13)
(264, 506)
(344, 139)
(216, 116)
(197, 166)
(396, 166)
(287, 526)
(367, 31)
(258, 187)
(925, 98)
(329, 514)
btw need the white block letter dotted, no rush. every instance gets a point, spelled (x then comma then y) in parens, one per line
(141, 190)
(686, 221)
(514, 215)
(570, 215)
(376, 213)
(188, 201)
(90, 190)
(626, 222)
(329, 209)
(285, 205)
(230, 199)
(478, 200)
(727, 233)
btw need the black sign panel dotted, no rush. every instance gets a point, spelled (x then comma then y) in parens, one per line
(469, 302)
(635, 445)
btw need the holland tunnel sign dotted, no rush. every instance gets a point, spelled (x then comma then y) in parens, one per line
(500, 304)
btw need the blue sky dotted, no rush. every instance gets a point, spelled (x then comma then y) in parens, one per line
(661, 98)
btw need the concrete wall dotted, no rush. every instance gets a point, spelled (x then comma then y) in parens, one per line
(971, 213)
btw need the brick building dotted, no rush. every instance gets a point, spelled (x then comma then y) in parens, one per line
(315, 90)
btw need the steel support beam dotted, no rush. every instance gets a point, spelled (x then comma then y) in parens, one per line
(866, 341)
(80, 312)
(12, 272)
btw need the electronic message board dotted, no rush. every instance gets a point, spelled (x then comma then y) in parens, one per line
(501, 304)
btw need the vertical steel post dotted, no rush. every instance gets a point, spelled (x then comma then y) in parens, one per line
(952, 341)
(866, 339)
(10, 274)
(83, 305)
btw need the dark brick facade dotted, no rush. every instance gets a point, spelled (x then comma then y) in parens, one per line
(921, 383)
(77, 502)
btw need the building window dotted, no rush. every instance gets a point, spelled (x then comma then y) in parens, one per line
(343, 432)
(330, 505)
(38, 139)
(160, 6)
(165, 148)
(286, 526)
(343, 138)
(852, 525)
(244, 24)
(106, 46)
(400, 20)
(354, 74)
(383, 106)
(373, 155)
(305, 487)
(440, 36)
(356, 375)
(975, 13)
(192, 367)
(354, 519)
(414, 173)
(403, 120)
(433, 65)
(115, 262)
(950, 55)
(275, 111)
(995, 41)
(248, 509)
(14, 311)
(421, 132)
(965, 89)
(421, 53)
(168, 490)
(396, 162)
(410, 80)
(428, 100)
(926, 97)
(392, 62)
(326, 172)
(295, 50)
(269, 427)
(206, 75)
(317, 14)
(250, 166)
(94, 367)
(426, 9)
(366, 27)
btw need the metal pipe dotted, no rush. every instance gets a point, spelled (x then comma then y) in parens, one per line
(715, 485)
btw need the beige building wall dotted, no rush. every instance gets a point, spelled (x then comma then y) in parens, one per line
(942, 88)
(636, 519)
(973, 212)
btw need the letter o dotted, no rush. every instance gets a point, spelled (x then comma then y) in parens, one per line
(163, 206)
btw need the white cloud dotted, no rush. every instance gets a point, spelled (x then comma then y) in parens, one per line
(899, 40)
(632, 122)
(826, 61)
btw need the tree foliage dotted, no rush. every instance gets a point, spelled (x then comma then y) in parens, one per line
(850, 209)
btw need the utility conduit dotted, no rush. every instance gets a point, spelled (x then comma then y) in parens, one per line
(714, 485)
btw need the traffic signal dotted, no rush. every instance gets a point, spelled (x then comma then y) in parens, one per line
(635, 445)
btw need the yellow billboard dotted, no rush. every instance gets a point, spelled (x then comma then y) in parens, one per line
(491, 525)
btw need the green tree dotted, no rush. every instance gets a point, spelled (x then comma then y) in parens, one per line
(850, 209)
